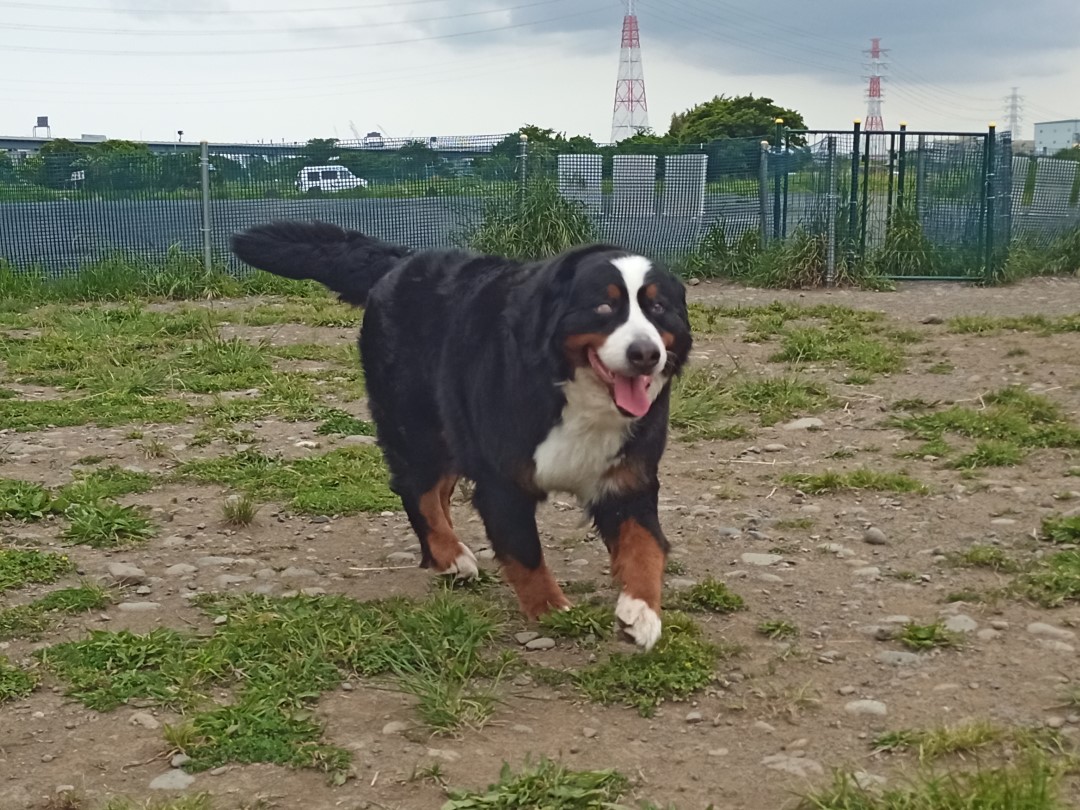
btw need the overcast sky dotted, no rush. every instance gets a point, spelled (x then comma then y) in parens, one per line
(290, 70)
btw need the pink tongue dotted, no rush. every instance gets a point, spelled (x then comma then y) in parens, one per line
(632, 394)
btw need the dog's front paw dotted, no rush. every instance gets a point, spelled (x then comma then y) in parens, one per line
(638, 621)
(464, 565)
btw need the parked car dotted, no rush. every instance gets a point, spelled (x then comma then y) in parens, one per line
(327, 178)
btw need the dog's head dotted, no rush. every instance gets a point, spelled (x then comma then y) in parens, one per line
(622, 318)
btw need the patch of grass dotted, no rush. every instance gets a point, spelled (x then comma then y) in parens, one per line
(858, 351)
(964, 738)
(239, 510)
(339, 423)
(343, 481)
(547, 785)
(1011, 422)
(778, 629)
(992, 557)
(861, 479)
(1061, 529)
(580, 621)
(105, 410)
(23, 500)
(33, 619)
(681, 663)
(198, 801)
(21, 567)
(277, 656)
(1030, 785)
(920, 637)
(106, 482)
(702, 397)
(1054, 581)
(707, 596)
(104, 524)
(988, 325)
(15, 682)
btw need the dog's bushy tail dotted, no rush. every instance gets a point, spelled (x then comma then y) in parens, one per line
(347, 262)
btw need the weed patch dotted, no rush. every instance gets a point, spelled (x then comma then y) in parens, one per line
(15, 682)
(580, 621)
(681, 663)
(1061, 529)
(707, 596)
(339, 423)
(861, 479)
(1055, 581)
(278, 655)
(23, 500)
(104, 524)
(545, 785)
(920, 637)
(33, 619)
(343, 481)
(778, 629)
(19, 568)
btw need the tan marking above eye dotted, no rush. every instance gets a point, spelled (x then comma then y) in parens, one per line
(651, 292)
(613, 291)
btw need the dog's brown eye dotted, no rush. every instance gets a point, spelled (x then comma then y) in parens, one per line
(604, 309)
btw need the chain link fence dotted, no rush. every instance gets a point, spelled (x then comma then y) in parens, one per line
(907, 204)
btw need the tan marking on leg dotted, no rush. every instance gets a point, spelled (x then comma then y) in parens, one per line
(446, 492)
(536, 589)
(442, 542)
(637, 562)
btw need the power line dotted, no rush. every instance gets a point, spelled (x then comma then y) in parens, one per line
(209, 12)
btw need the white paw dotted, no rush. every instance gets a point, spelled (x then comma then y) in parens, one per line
(464, 565)
(637, 620)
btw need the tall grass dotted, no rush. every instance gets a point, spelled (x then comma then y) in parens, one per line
(121, 276)
(534, 223)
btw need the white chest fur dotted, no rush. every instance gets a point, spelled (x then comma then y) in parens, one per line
(585, 444)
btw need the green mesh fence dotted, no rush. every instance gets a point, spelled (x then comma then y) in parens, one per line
(906, 204)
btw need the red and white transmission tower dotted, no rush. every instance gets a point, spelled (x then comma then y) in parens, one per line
(874, 121)
(631, 114)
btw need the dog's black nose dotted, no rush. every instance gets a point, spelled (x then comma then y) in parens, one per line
(643, 355)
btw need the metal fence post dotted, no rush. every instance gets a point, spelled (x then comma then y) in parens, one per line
(204, 166)
(991, 169)
(830, 213)
(901, 165)
(853, 204)
(763, 192)
(523, 157)
(777, 211)
(920, 172)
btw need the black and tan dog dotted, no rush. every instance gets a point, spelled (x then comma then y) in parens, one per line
(525, 378)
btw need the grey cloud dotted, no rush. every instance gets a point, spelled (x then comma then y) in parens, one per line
(940, 40)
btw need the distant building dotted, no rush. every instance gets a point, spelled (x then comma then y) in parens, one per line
(1053, 136)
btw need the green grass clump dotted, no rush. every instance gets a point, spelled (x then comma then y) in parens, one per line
(708, 596)
(580, 621)
(23, 500)
(1061, 529)
(965, 738)
(1012, 422)
(701, 398)
(15, 682)
(858, 351)
(1030, 785)
(103, 483)
(992, 557)
(861, 479)
(21, 567)
(681, 663)
(104, 524)
(33, 619)
(277, 656)
(343, 481)
(917, 636)
(1054, 581)
(547, 785)
(778, 629)
(105, 410)
(339, 423)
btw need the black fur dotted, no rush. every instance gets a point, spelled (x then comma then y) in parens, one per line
(463, 357)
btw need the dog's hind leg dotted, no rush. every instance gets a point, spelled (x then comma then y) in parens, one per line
(509, 516)
(440, 548)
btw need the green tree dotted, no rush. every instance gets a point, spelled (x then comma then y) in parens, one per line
(1068, 153)
(118, 165)
(60, 159)
(731, 117)
(320, 151)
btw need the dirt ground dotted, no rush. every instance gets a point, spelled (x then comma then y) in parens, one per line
(780, 715)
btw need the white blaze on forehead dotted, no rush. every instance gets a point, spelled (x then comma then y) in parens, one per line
(634, 270)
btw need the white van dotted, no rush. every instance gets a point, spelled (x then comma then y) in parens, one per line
(327, 178)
